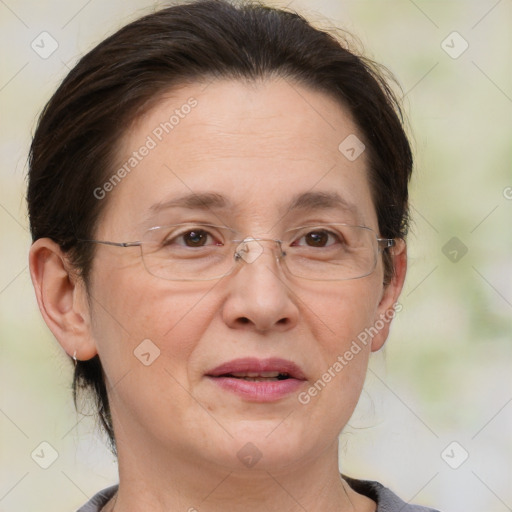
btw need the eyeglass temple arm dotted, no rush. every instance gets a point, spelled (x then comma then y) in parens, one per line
(115, 244)
(385, 243)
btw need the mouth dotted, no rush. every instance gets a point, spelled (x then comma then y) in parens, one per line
(251, 368)
(258, 380)
(257, 377)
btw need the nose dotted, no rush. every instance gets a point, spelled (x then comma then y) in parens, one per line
(259, 297)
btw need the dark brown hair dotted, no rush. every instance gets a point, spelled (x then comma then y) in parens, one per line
(74, 145)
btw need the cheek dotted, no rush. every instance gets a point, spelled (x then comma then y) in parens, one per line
(340, 319)
(147, 331)
(341, 311)
(135, 314)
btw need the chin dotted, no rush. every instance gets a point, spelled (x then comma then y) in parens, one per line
(267, 445)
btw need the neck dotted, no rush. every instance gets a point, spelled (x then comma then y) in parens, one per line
(151, 482)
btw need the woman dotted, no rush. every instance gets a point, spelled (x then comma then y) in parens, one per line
(218, 203)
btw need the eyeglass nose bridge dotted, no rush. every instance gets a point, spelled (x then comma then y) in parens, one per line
(250, 249)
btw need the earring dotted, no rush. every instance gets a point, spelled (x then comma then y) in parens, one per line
(74, 357)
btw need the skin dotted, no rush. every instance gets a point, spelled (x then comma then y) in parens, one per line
(177, 433)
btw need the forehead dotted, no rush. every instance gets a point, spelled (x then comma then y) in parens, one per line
(250, 149)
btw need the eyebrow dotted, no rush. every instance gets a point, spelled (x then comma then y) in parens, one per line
(305, 201)
(321, 201)
(194, 201)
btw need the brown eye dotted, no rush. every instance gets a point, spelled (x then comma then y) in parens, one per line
(317, 239)
(195, 238)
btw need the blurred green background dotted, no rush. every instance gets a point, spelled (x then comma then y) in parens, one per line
(445, 374)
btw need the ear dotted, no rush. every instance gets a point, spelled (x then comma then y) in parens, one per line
(388, 305)
(62, 298)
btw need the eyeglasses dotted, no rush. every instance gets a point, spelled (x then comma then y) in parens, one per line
(202, 252)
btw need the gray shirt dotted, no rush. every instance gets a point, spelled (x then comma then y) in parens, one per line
(386, 500)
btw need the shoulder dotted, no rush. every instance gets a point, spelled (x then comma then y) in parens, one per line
(99, 500)
(386, 500)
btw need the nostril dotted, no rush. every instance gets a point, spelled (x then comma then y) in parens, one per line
(243, 320)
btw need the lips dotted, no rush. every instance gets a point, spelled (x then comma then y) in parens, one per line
(258, 380)
(262, 369)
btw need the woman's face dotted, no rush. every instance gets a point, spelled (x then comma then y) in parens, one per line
(258, 148)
